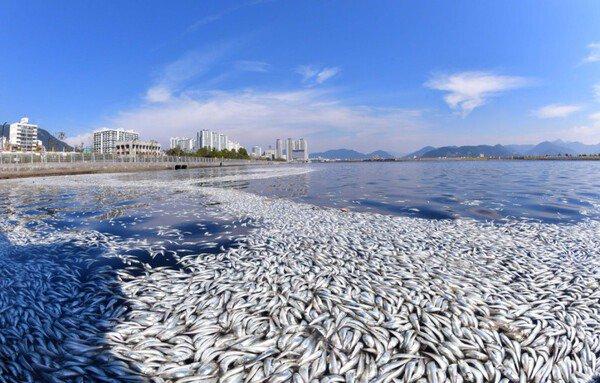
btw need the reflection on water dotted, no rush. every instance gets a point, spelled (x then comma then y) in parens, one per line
(549, 191)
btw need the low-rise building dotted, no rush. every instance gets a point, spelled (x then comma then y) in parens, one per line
(23, 135)
(106, 139)
(137, 148)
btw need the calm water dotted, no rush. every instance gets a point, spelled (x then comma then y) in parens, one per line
(549, 191)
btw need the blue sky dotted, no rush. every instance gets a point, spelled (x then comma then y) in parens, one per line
(359, 74)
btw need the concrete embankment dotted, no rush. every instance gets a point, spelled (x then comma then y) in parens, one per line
(57, 169)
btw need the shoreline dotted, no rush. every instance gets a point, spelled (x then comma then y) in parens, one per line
(114, 168)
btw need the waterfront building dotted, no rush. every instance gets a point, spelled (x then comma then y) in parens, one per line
(270, 153)
(289, 149)
(223, 141)
(231, 145)
(295, 150)
(204, 139)
(278, 149)
(137, 148)
(183, 143)
(256, 151)
(23, 136)
(105, 139)
(302, 150)
(215, 140)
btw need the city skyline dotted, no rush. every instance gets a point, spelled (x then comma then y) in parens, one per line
(358, 76)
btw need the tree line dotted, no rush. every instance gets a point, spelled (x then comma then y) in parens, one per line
(240, 154)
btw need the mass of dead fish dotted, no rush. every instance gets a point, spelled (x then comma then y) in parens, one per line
(313, 295)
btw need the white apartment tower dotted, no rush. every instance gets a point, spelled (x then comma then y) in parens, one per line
(289, 152)
(23, 135)
(204, 139)
(183, 143)
(303, 148)
(104, 140)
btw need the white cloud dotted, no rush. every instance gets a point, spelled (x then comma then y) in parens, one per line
(593, 54)
(258, 117)
(469, 90)
(595, 116)
(556, 111)
(313, 75)
(84, 138)
(158, 93)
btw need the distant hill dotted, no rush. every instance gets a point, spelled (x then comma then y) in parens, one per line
(468, 151)
(420, 152)
(578, 147)
(548, 148)
(380, 154)
(519, 149)
(50, 142)
(349, 154)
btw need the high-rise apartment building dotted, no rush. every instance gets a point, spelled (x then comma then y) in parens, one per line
(289, 150)
(295, 150)
(23, 136)
(104, 140)
(278, 149)
(215, 140)
(204, 139)
(183, 143)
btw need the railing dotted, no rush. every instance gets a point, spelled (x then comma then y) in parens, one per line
(28, 161)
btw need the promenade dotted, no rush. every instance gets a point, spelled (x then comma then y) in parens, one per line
(19, 165)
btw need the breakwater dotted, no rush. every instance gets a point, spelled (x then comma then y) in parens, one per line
(310, 294)
(32, 166)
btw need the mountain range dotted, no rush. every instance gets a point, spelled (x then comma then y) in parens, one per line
(546, 148)
(50, 142)
(349, 154)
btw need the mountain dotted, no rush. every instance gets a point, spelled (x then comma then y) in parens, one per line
(468, 151)
(339, 154)
(420, 152)
(349, 154)
(548, 148)
(380, 154)
(578, 147)
(50, 142)
(519, 149)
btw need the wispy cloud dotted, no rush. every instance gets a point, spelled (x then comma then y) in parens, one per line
(83, 138)
(556, 111)
(593, 53)
(469, 90)
(219, 15)
(181, 71)
(313, 75)
(252, 66)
